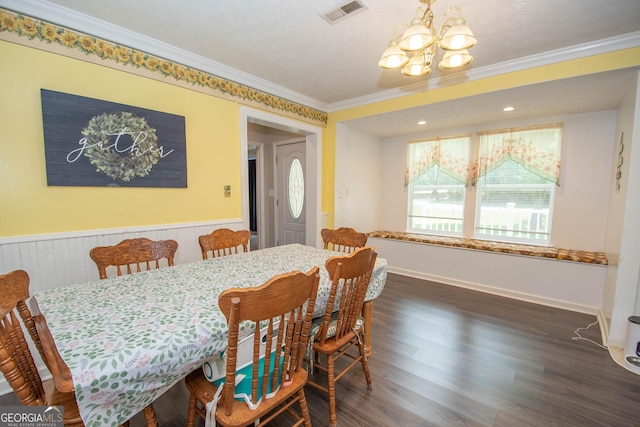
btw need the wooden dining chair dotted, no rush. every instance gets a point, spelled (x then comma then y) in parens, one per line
(343, 239)
(133, 255)
(16, 361)
(223, 242)
(342, 325)
(279, 312)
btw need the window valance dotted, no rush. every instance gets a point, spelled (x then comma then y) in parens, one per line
(536, 148)
(451, 154)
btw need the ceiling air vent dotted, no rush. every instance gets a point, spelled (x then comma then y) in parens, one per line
(342, 12)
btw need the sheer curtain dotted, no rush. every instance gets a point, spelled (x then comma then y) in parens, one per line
(536, 148)
(451, 154)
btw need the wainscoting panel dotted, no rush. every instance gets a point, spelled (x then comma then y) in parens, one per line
(54, 260)
(60, 259)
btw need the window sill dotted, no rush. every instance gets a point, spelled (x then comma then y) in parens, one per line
(508, 248)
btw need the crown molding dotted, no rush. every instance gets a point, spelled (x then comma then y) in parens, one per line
(59, 15)
(584, 50)
(95, 27)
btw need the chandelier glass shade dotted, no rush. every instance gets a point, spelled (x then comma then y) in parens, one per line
(413, 47)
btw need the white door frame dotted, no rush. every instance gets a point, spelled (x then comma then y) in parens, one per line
(313, 137)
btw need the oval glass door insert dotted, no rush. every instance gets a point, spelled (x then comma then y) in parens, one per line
(296, 189)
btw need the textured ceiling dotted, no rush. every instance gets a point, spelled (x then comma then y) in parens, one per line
(287, 43)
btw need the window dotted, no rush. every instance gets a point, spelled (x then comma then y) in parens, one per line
(436, 177)
(516, 173)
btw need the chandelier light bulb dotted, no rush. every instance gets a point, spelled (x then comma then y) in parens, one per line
(414, 70)
(455, 59)
(457, 42)
(458, 37)
(393, 57)
(418, 65)
(417, 37)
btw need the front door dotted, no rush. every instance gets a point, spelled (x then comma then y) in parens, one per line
(291, 203)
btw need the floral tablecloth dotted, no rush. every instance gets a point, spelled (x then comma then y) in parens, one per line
(128, 339)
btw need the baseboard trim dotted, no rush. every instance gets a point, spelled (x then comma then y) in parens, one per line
(496, 291)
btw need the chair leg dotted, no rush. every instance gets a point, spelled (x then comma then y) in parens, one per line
(365, 364)
(150, 416)
(332, 390)
(304, 410)
(191, 415)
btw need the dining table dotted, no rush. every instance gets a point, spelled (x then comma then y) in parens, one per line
(120, 343)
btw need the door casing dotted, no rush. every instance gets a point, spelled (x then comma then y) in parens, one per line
(313, 144)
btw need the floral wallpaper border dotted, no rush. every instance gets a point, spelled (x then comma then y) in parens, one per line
(15, 27)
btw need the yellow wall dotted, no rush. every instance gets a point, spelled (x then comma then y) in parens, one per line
(329, 172)
(29, 206)
(617, 60)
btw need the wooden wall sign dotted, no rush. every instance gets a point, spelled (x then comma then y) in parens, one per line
(90, 142)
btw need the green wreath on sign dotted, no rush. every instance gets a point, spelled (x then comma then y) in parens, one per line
(121, 145)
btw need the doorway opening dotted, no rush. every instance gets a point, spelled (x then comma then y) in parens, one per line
(254, 203)
(260, 133)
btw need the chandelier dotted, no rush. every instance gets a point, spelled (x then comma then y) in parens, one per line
(414, 46)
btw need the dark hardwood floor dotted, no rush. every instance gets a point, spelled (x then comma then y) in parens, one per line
(445, 356)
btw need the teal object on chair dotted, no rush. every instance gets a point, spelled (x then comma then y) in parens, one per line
(280, 311)
(214, 369)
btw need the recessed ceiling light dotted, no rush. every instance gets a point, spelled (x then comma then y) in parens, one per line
(422, 122)
(508, 109)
